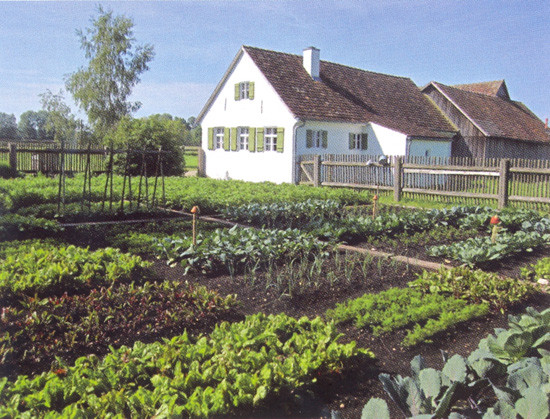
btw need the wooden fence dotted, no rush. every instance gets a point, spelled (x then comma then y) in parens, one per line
(33, 157)
(464, 180)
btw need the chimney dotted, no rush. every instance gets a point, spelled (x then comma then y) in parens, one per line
(311, 62)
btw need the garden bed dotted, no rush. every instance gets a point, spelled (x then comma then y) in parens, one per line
(285, 272)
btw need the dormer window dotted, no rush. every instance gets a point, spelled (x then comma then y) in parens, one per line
(244, 90)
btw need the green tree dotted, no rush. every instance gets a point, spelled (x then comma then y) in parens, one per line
(32, 126)
(60, 123)
(8, 127)
(151, 133)
(103, 87)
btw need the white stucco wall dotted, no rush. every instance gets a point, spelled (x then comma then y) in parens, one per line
(265, 110)
(430, 148)
(381, 140)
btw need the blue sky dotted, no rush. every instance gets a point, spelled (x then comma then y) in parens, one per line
(449, 41)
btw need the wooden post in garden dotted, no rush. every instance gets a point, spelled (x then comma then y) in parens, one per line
(195, 211)
(13, 156)
(201, 169)
(317, 170)
(503, 183)
(397, 177)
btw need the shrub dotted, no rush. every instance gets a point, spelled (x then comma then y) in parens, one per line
(7, 172)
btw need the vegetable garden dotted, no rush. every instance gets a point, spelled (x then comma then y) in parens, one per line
(121, 311)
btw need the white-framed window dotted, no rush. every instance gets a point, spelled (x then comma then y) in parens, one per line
(316, 139)
(358, 141)
(218, 138)
(244, 90)
(243, 138)
(270, 139)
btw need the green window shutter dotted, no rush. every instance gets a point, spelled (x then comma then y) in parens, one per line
(237, 91)
(325, 139)
(251, 90)
(251, 139)
(309, 138)
(210, 138)
(234, 139)
(351, 141)
(364, 141)
(280, 140)
(260, 139)
(226, 132)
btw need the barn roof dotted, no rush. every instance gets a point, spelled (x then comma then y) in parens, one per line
(490, 88)
(494, 115)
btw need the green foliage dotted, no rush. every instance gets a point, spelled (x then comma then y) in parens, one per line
(45, 269)
(527, 333)
(7, 172)
(60, 122)
(478, 250)
(40, 330)
(462, 388)
(238, 365)
(285, 215)
(237, 248)
(541, 269)
(151, 134)
(210, 195)
(115, 63)
(18, 227)
(476, 286)
(398, 308)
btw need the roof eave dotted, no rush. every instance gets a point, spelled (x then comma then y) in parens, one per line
(214, 94)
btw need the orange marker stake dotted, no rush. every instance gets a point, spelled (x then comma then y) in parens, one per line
(494, 222)
(374, 208)
(195, 210)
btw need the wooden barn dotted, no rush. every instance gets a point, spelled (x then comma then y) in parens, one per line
(491, 125)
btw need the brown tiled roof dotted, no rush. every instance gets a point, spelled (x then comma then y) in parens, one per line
(496, 116)
(351, 95)
(490, 88)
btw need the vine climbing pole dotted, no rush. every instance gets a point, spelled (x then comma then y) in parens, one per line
(61, 186)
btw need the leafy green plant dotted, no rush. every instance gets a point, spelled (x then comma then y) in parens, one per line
(285, 215)
(238, 365)
(462, 388)
(17, 227)
(475, 251)
(237, 248)
(475, 286)
(45, 268)
(402, 307)
(541, 269)
(69, 326)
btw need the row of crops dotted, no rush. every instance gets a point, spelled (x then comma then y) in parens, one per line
(92, 327)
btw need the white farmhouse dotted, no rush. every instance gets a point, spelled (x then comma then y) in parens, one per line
(271, 107)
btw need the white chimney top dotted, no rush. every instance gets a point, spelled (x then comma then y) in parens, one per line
(311, 62)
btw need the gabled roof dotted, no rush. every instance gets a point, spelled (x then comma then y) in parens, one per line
(347, 94)
(494, 115)
(489, 88)
(351, 95)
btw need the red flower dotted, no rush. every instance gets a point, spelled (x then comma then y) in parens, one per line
(495, 220)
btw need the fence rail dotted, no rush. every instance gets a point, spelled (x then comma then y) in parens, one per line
(467, 180)
(33, 157)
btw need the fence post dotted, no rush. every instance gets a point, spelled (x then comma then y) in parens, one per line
(13, 156)
(317, 170)
(201, 169)
(397, 176)
(504, 175)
